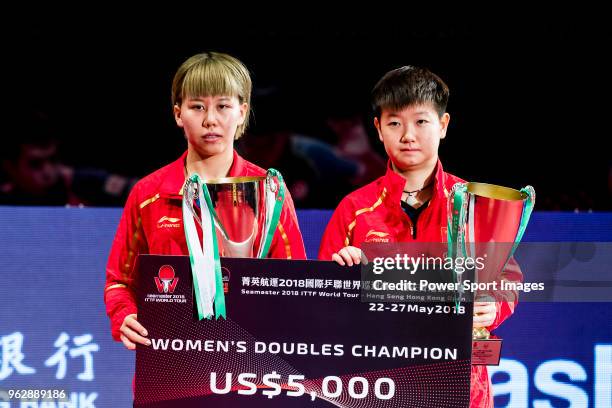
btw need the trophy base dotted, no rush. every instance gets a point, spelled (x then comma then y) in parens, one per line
(486, 351)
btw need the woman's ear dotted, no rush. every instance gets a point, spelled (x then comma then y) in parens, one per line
(176, 110)
(244, 108)
(444, 121)
(377, 126)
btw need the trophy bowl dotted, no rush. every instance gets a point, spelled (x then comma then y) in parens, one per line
(487, 221)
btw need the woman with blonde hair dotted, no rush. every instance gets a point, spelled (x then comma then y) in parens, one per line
(211, 94)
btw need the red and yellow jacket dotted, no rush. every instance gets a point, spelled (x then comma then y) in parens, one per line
(373, 214)
(152, 223)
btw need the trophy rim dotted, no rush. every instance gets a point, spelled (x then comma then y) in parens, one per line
(234, 180)
(495, 191)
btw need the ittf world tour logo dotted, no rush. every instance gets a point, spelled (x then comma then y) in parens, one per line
(165, 280)
(225, 277)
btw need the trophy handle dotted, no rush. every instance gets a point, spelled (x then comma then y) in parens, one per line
(274, 198)
(191, 192)
(529, 202)
(528, 205)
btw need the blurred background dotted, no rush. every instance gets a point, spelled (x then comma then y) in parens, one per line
(87, 103)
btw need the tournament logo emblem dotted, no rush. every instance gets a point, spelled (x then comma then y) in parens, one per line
(225, 277)
(165, 280)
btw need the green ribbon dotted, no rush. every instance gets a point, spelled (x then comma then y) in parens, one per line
(274, 205)
(205, 262)
(456, 218)
(455, 228)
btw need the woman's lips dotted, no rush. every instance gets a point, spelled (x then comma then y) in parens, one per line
(211, 136)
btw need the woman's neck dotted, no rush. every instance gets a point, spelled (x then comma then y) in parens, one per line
(211, 167)
(416, 179)
(418, 188)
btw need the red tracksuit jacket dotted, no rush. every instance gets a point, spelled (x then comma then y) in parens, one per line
(152, 223)
(373, 214)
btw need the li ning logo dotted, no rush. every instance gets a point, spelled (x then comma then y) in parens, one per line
(377, 236)
(165, 280)
(168, 222)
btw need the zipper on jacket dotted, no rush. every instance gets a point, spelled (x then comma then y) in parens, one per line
(412, 231)
(410, 224)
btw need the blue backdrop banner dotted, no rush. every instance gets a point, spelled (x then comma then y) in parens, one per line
(54, 333)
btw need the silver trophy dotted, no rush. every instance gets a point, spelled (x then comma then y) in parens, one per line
(246, 211)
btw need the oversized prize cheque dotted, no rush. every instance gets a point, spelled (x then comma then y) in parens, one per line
(283, 333)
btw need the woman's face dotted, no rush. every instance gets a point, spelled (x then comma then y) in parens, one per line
(210, 122)
(412, 135)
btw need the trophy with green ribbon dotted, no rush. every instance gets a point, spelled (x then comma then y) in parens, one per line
(238, 217)
(487, 221)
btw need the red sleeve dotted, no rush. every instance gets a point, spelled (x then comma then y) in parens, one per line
(287, 242)
(335, 236)
(507, 300)
(128, 243)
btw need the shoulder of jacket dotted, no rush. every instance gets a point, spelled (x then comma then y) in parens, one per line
(363, 197)
(147, 189)
(253, 169)
(451, 180)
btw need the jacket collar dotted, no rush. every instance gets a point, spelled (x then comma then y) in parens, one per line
(174, 179)
(394, 185)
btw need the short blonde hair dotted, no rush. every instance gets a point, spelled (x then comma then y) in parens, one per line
(213, 74)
